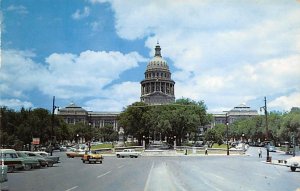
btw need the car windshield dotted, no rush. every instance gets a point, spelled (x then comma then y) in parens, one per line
(20, 154)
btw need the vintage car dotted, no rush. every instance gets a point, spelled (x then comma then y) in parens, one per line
(10, 158)
(75, 153)
(293, 163)
(128, 153)
(43, 161)
(47, 155)
(92, 156)
(3, 173)
(29, 162)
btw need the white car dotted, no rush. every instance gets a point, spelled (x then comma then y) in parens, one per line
(293, 163)
(128, 153)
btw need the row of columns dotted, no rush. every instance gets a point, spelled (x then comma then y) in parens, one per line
(165, 87)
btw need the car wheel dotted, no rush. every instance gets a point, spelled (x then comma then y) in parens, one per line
(118, 156)
(100, 162)
(10, 169)
(27, 167)
(122, 156)
(136, 156)
(293, 168)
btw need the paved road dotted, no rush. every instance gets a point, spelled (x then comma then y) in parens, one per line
(159, 173)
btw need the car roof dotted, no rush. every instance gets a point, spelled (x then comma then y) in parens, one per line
(7, 150)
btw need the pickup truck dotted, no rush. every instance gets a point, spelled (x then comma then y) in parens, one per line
(293, 163)
(92, 156)
(128, 153)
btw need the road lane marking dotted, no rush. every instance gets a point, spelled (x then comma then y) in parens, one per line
(103, 174)
(72, 188)
(148, 179)
(121, 166)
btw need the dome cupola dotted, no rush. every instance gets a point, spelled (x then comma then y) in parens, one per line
(157, 62)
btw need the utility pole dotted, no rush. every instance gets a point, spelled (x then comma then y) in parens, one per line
(227, 134)
(52, 125)
(267, 130)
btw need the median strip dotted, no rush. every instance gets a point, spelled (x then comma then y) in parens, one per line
(103, 174)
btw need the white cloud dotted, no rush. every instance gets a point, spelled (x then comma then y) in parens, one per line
(223, 52)
(20, 9)
(15, 103)
(17, 71)
(81, 14)
(286, 102)
(116, 97)
(67, 76)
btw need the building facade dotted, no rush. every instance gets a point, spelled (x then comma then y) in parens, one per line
(157, 87)
(73, 114)
(239, 112)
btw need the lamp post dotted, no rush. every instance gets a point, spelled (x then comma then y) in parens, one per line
(227, 134)
(52, 124)
(267, 131)
(175, 142)
(90, 126)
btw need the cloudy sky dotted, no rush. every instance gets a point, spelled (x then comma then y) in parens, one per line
(95, 52)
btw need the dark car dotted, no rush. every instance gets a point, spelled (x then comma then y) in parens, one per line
(43, 161)
(29, 162)
(46, 155)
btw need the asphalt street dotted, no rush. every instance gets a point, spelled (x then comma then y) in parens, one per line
(186, 173)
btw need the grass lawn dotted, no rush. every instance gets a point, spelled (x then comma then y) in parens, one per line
(101, 146)
(216, 146)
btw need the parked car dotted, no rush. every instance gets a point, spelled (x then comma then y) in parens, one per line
(76, 153)
(29, 162)
(47, 155)
(92, 156)
(271, 148)
(63, 148)
(10, 158)
(43, 161)
(128, 153)
(3, 170)
(293, 163)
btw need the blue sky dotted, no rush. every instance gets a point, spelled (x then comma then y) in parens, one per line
(95, 52)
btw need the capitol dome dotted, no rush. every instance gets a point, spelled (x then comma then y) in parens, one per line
(157, 87)
(157, 62)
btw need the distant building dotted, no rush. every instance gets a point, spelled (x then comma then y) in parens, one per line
(239, 112)
(73, 114)
(157, 87)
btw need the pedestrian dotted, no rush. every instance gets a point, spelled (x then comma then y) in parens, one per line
(206, 152)
(259, 153)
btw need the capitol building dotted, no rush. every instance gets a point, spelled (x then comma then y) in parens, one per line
(157, 88)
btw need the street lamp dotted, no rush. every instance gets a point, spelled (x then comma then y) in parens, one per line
(174, 142)
(52, 124)
(227, 124)
(227, 134)
(267, 131)
(90, 126)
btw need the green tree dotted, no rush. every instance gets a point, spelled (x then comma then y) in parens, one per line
(133, 122)
(108, 134)
(213, 136)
